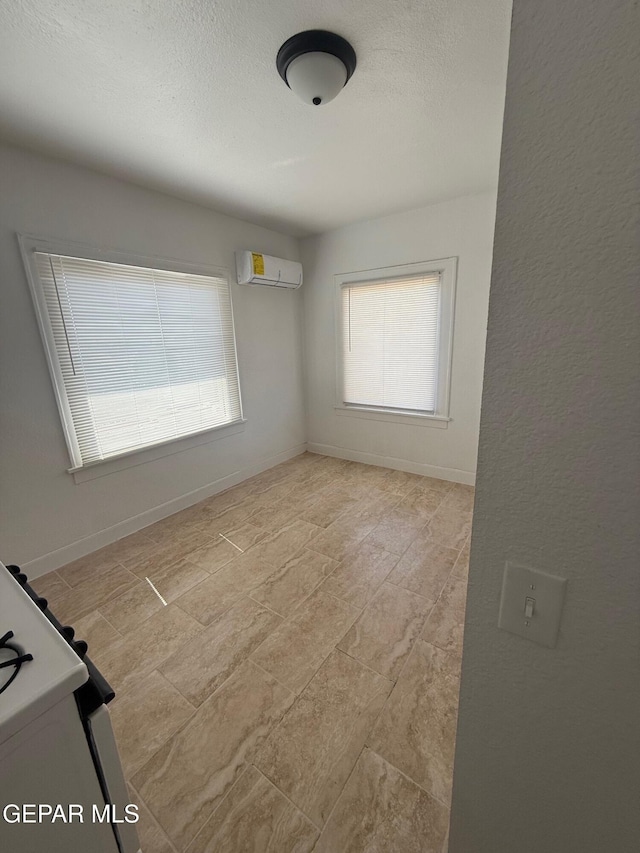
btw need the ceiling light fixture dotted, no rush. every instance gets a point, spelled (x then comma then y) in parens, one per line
(316, 65)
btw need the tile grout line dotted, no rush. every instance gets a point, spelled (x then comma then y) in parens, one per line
(219, 806)
(100, 613)
(409, 779)
(266, 672)
(339, 797)
(370, 668)
(153, 817)
(289, 800)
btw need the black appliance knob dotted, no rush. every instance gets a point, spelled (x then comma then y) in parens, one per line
(42, 603)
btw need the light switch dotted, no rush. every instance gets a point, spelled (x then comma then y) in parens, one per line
(531, 604)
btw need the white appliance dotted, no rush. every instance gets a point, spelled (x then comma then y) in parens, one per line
(256, 268)
(62, 789)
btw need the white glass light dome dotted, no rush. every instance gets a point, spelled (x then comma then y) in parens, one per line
(316, 78)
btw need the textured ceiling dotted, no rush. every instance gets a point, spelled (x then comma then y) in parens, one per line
(184, 96)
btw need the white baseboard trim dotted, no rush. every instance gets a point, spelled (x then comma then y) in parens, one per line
(454, 475)
(60, 557)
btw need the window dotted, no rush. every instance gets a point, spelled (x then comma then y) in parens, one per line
(139, 356)
(395, 339)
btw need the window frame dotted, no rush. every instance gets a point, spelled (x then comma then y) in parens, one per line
(447, 268)
(30, 244)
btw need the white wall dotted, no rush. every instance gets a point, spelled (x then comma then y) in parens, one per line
(548, 749)
(42, 508)
(464, 228)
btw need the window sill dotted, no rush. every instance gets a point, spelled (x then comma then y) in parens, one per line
(434, 421)
(139, 457)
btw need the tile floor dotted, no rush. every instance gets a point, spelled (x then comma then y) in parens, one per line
(296, 687)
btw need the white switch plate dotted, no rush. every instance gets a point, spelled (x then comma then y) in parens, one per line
(520, 583)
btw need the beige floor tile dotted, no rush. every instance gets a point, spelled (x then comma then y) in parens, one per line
(417, 728)
(433, 484)
(78, 601)
(288, 586)
(337, 539)
(461, 496)
(130, 548)
(424, 567)
(256, 817)
(311, 753)
(445, 626)
(250, 569)
(191, 532)
(211, 507)
(174, 580)
(329, 507)
(295, 651)
(128, 611)
(421, 503)
(385, 633)
(132, 657)
(268, 478)
(187, 779)
(461, 568)
(96, 632)
(215, 555)
(277, 494)
(180, 525)
(281, 546)
(210, 599)
(198, 668)
(145, 717)
(312, 483)
(360, 573)
(450, 525)
(399, 482)
(396, 531)
(275, 516)
(229, 518)
(132, 555)
(49, 586)
(158, 556)
(373, 508)
(152, 837)
(88, 568)
(245, 535)
(381, 811)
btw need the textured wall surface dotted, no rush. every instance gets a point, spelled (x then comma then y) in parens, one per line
(462, 227)
(548, 751)
(42, 509)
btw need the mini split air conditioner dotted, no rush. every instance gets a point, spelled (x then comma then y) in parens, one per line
(255, 268)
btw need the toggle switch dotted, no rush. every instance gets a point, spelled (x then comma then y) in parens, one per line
(531, 604)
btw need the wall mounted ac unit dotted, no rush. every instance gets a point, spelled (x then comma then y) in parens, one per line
(255, 268)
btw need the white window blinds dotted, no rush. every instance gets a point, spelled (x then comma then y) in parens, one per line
(390, 343)
(145, 355)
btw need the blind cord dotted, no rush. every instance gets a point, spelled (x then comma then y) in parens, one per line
(64, 325)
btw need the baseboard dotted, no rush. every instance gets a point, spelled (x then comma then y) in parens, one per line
(454, 475)
(82, 547)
